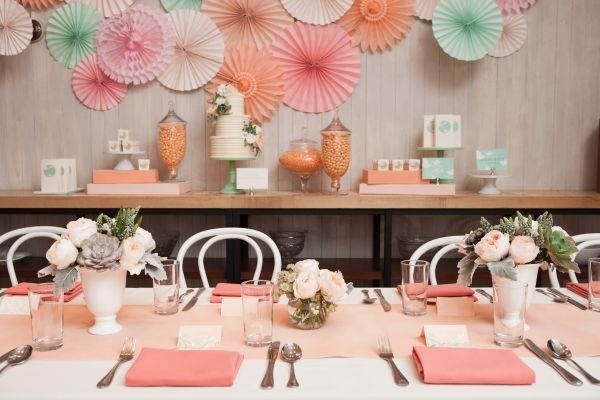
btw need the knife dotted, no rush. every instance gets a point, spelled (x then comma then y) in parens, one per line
(569, 299)
(193, 300)
(485, 294)
(272, 353)
(384, 303)
(569, 377)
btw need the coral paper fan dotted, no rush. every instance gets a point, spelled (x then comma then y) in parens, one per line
(514, 33)
(424, 8)
(137, 45)
(256, 74)
(93, 88)
(248, 22)
(199, 51)
(39, 5)
(320, 12)
(377, 25)
(514, 6)
(16, 28)
(108, 8)
(319, 65)
(467, 30)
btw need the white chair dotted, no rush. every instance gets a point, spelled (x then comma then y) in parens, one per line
(583, 240)
(217, 234)
(444, 245)
(22, 235)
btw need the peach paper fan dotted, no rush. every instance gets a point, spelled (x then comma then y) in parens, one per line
(377, 25)
(319, 12)
(93, 88)
(514, 34)
(248, 22)
(39, 5)
(16, 28)
(107, 8)
(424, 8)
(514, 6)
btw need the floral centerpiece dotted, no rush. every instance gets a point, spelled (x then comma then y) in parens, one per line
(312, 293)
(505, 246)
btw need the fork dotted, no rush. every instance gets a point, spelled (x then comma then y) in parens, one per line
(385, 352)
(127, 352)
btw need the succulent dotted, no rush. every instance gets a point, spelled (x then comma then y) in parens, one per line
(100, 251)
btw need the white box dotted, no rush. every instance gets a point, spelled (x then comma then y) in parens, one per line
(447, 130)
(428, 130)
(70, 165)
(51, 175)
(123, 134)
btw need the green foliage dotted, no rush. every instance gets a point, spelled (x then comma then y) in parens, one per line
(122, 226)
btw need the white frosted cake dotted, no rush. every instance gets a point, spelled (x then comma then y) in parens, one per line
(228, 141)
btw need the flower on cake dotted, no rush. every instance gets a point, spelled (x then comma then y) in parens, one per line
(513, 242)
(105, 244)
(253, 137)
(219, 105)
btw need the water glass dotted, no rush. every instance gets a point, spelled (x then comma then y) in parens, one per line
(257, 310)
(594, 284)
(415, 280)
(46, 305)
(166, 291)
(510, 302)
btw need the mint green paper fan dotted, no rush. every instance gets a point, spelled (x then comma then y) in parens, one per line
(171, 5)
(71, 33)
(467, 29)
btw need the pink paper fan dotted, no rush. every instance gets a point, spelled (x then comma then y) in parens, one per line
(319, 65)
(16, 28)
(256, 75)
(108, 8)
(248, 22)
(514, 34)
(39, 5)
(377, 25)
(137, 45)
(93, 88)
(320, 12)
(514, 6)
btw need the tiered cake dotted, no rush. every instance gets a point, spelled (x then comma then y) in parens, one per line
(228, 141)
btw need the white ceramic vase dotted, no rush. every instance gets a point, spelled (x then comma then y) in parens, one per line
(103, 295)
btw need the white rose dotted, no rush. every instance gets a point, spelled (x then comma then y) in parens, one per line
(309, 265)
(145, 238)
(332, 285)
(81, 229)
(132, 253)
(306, 285)
(62, 253)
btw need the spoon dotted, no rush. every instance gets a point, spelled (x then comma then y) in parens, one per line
(555, 297)
(291, 353)
(182, 295)
(18, 356)
(368, 299)
(562, 352)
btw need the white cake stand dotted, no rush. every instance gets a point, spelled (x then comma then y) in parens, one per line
(489, 186)
(124, 162)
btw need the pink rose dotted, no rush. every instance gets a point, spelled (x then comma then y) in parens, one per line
(309, 265)
(62, 253)
(523, 249)
(333, 286)
(81, 229)
(131, 255)
(306, 285)
(493, 246)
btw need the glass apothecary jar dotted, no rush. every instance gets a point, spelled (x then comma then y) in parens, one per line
(303, 159)
(335, 150)
(171, 141)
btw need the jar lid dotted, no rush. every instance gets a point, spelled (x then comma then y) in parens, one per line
(304, 143)
(172, 117)
(336, 125)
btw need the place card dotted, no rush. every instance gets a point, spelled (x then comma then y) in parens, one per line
(491, 160)
(447, 130)
(455, 306)
(14, 305)
(437, 168)
(231, 307)
(252, 178)
(194, 337)
(445, 335)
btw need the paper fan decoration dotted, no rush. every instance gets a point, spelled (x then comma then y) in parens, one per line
(71, 33)
(93, 88)
(320, 12)
(256, 75)
(137, 45)
(467, 30)
(514, 33)
(39, 5)
(424, 8)
(16, 28)
(248, 22)
(108, 8)
(514, 6)
(199, 51)
(172, 5)
(377, 25)
(320, 66)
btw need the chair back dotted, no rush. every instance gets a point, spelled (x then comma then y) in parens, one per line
(444, 245)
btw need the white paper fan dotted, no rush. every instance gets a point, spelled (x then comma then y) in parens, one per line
(16, 28)
(108, 8)
(424, 8)
(319, 12)
(514, 33)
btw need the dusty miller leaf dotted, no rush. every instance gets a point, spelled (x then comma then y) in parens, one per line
(466, 269)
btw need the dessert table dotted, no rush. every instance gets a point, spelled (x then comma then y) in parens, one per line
(339, 360)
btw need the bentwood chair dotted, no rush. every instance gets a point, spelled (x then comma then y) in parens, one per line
(443, 245)
(212, 236)
(22, 235)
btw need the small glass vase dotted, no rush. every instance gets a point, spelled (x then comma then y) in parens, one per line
(302, 316)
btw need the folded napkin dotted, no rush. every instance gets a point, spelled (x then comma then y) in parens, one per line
(21, 290)
(225, 290)
(445, 290)
(471, 366)
(161, 367)
(580, 289)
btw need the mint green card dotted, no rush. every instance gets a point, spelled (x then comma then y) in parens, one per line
(438, 168)
(493, 159)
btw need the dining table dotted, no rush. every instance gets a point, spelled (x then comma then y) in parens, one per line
(339, 360)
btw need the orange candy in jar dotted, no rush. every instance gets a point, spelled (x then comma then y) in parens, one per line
(171, 141)
(335, 151)
(304, 159)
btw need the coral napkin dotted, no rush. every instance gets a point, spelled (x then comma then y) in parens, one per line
(471, 366)
(446, 290)
(161, 367)
(21, 289)
(225, 290)
(580, 289)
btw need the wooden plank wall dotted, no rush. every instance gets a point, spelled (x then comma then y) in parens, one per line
(542, 104)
